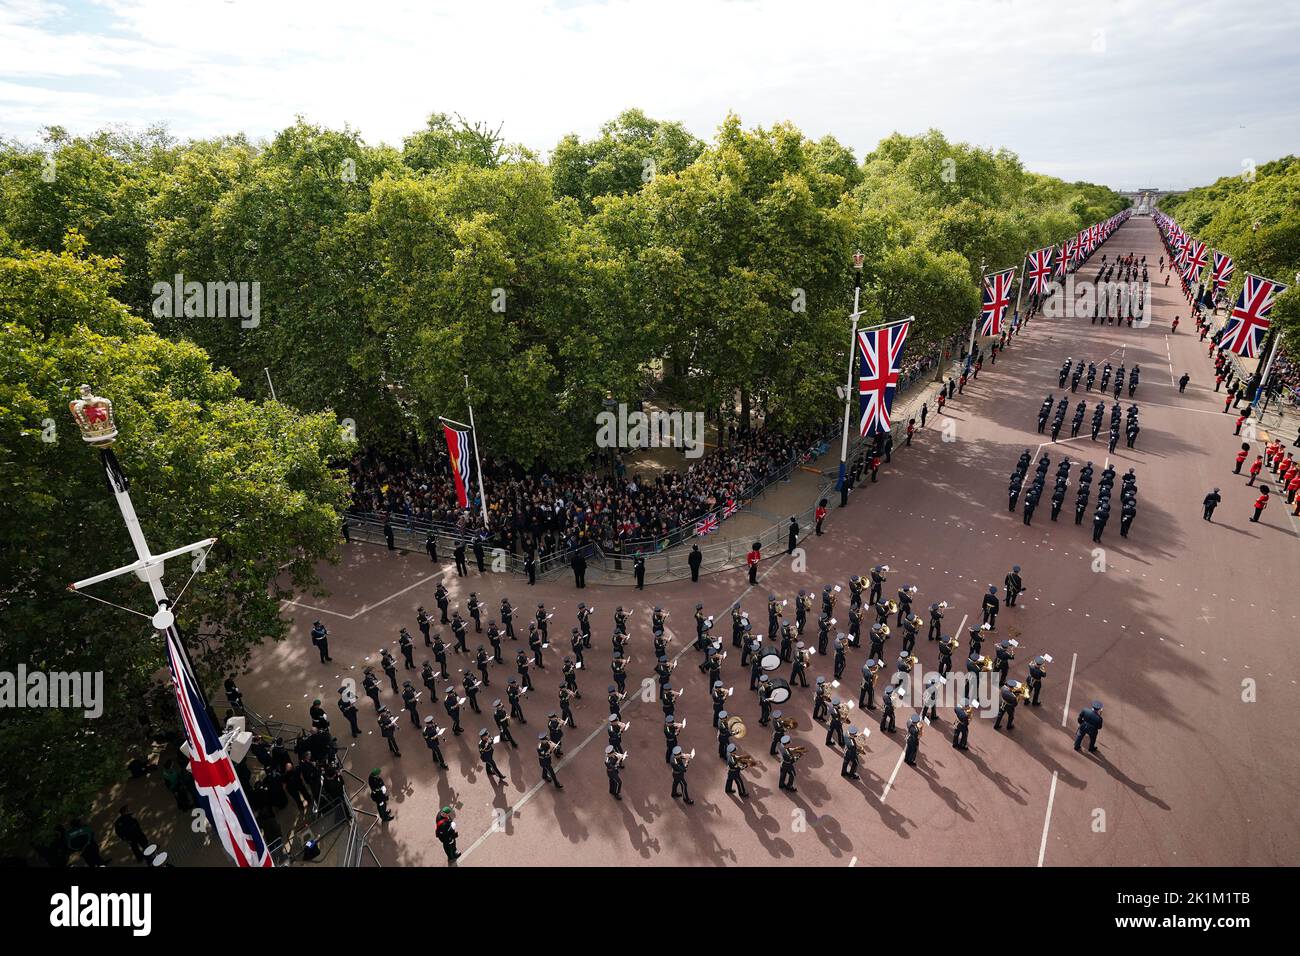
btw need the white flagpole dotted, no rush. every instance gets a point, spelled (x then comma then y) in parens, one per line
(148, 567)
(1020, 288)
(482, 496)
(858, 259)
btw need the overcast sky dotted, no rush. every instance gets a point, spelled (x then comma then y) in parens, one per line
(1131, 93)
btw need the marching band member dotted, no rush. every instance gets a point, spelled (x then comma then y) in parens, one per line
(613, 769)
(961, 731)
(914, 729)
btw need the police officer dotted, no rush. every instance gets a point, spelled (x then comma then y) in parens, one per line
(1089, 724)
(320, 637)
(638, 571)
(485, 752)
(462, 568)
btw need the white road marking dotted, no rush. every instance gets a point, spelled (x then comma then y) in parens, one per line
(368, 607)
(1047, 819)
(1069, 689)
(892, 776)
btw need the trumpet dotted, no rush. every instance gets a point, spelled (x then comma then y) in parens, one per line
(796, 751)
(744, 761)
(782, 723)
(986, 664)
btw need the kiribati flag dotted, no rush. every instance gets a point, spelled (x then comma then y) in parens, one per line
(458, 452)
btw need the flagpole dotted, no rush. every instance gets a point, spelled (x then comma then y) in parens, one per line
(482, 496)
(100, 431)
(970, 349)
(858, 259)
(1020, 288)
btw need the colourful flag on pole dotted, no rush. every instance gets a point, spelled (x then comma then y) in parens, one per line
(458, 452)
(880, 353)
(1248, 322)
(1039, 270)
(997, 299)
(220, 792)
(707, 526)
(1223, 269)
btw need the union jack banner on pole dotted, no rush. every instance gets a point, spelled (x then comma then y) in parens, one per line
(880, 353)
(1223, 269)
(707, 526)
(732, 506)
(997, 299)
(1196, 259)
(458, 452)
(1248, 321)
(1071, 251)
(220, 792)
(1039, 270)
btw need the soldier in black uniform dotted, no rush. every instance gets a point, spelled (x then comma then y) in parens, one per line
(458, 552)
(1089, 723)
(389, 665)
(936, 621)
(485, 752)
(1127, 512)
(887, 719)
(734, 767)
(821, 699)
(545, 754)
(475, 611)
(877, 582)
(440, 598)
(424, 622)
(1014, 585)
(786, 779)
(852, 752)
(618, 667)
(1080, 504)
(1004, 654)
(451, 703)
(379, 794)
(521, 666)
(990, 606)
(961, 730)
(508, 618)
(613, 770)
(348, 706)
(914, 729)
(840, 661)
(471, 689)
(320, 637)
(458, 630)
(1210, 503)
(410, 697)
(431, 734)
(502, 720)
(947, 644)
(478, 554)
(388, 729)
(867, 691)
(530, 567)
(431, 546)
(835, 726)
(515, 695)
(481, 660)
(694, 560)
(1037, 671)
(1008, 699)
(1099, 518)
(440, 655)
(370, 684)
(679, 759)
(407, 645)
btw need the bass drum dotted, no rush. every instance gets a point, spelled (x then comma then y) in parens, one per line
(770, 659)
(780, 689)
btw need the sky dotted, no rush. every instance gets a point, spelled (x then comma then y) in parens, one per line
(1130, 93)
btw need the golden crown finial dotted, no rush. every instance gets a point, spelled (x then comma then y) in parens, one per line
(94, 416)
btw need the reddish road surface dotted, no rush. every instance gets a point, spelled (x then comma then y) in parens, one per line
(1186, 636)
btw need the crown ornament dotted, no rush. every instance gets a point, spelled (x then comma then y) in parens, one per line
(94, 416)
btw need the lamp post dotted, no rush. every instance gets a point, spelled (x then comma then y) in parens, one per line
(858, 260)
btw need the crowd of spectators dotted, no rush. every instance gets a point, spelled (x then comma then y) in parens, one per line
(555, 512)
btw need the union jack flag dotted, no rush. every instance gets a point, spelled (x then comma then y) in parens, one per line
(997, 299)
(1071, 251)
(1223, 269)
(1196, 258)
(458, 452)
(706, 526)
(880, 353)
(1040, 269)
(220, 792)
(1248, 321)
(731, 508)
(1094, 235)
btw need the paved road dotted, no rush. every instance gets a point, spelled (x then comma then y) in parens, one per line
(1188, 621)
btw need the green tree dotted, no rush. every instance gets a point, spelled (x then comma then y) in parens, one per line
(201, 460)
